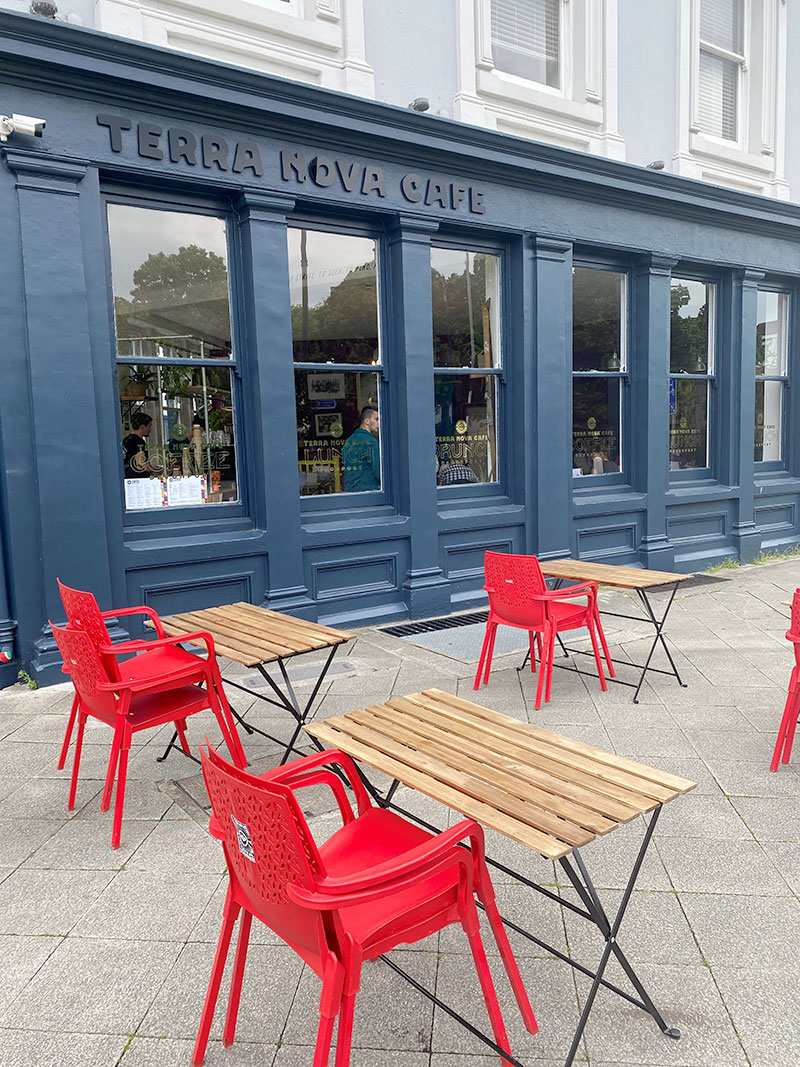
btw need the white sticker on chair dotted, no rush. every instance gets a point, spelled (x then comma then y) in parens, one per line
(243, 837)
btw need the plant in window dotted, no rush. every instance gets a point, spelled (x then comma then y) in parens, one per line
(139, 378)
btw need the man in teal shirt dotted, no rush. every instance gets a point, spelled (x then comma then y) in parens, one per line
(361, 455)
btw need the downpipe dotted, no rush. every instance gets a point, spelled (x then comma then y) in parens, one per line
(8, 626)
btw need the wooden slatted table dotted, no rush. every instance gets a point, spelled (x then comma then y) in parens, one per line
(256, 637)
(636, 579)
(550, 793)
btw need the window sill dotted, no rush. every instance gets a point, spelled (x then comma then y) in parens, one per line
(532, 96)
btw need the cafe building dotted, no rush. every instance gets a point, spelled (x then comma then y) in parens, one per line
(268, 342)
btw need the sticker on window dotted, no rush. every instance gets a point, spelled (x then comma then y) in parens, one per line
(243, 837)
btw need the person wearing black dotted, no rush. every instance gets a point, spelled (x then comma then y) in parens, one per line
(134, 446)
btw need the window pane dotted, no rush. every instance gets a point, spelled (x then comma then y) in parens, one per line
(688, 424)
(465, 415)
(719, 84)
(466, 308)
(334, 293)
(178, 428)
(689, 328)
(170, 279)
(596, 425)
(597, 320)
(769, 405)
(721, 23)
(525, 39)
(337, 450)
(771, 333)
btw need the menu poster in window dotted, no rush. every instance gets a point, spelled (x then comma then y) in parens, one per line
(143, 493)
(186, 491)
(326, 386)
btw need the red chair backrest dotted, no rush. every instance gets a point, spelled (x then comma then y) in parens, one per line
(793, 634)
(83, 613)
(267, 846)
(513, 581)
(87, 671)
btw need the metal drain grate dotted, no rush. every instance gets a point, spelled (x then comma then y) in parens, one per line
(449, 622)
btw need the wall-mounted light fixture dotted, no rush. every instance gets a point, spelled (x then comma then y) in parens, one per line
(657, 164)
(26, 124)
(421, 103)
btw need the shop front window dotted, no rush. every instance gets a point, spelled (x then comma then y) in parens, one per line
(466, 359)
(599, 369)
(336, 347)
(771, 374)
(691, 368)
(174, 357)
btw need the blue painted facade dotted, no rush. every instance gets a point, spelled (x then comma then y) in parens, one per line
(415, 550)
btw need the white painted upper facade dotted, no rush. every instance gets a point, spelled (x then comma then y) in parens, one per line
(701, 85)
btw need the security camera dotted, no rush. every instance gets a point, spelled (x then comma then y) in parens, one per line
(20, 124)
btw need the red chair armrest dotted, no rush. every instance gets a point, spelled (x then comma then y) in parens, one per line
(152, 615)
(300, 767)
(587, 588)
(417, 863)
(161, 642)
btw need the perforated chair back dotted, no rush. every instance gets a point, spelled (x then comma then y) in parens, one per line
(87, 671)
(793, 633)
(83, 613)
(512, 582)
(268, 846)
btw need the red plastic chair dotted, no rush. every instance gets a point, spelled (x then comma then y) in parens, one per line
(162, 658)
(519, 597)
(783, 746)
(378, 882)
(128, 706)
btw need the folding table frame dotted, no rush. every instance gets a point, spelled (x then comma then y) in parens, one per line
(256, 637)
(380, 737)
(637, 580)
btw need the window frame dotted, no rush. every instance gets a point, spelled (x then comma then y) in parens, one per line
(713, 286)
(741, 59)
(764, 466)
(623, 375)
(563, 53)
(134, 519)
(345, 227)
(468, 491)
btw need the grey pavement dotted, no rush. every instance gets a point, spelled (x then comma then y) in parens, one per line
(104, 956)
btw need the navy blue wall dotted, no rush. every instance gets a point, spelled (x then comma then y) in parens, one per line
(417, 551)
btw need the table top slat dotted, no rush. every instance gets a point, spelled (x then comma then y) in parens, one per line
(551, 752)
(216, 624)
(608, 574)
(460, 754)
(482, 813)
(641, 770)
(235, 654)
(300, 625)
(606, 795)
(466, 783)
(258, 633)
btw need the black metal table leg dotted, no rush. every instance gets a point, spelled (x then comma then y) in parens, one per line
(659, 637)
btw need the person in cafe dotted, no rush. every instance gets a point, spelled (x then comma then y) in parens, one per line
(134, 446)
(601, 464)
(455, 473)
(361, 454)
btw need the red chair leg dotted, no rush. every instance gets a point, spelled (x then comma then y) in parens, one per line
(344, 1038)
(532, 647)
(472, 927)
(112, 767)
(551, 651)
(489, 654)
(236, 978)
(510, 963)
(482, 660)
(73, 786)
(232, 739)
(180, 726)
(545, 661)
(62, 759)
(322, 1049)
(792, 726)
(116, 830)
(596, 649)
(229, 913)
(604, 643)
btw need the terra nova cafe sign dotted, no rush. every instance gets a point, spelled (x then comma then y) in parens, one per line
(213, 153)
